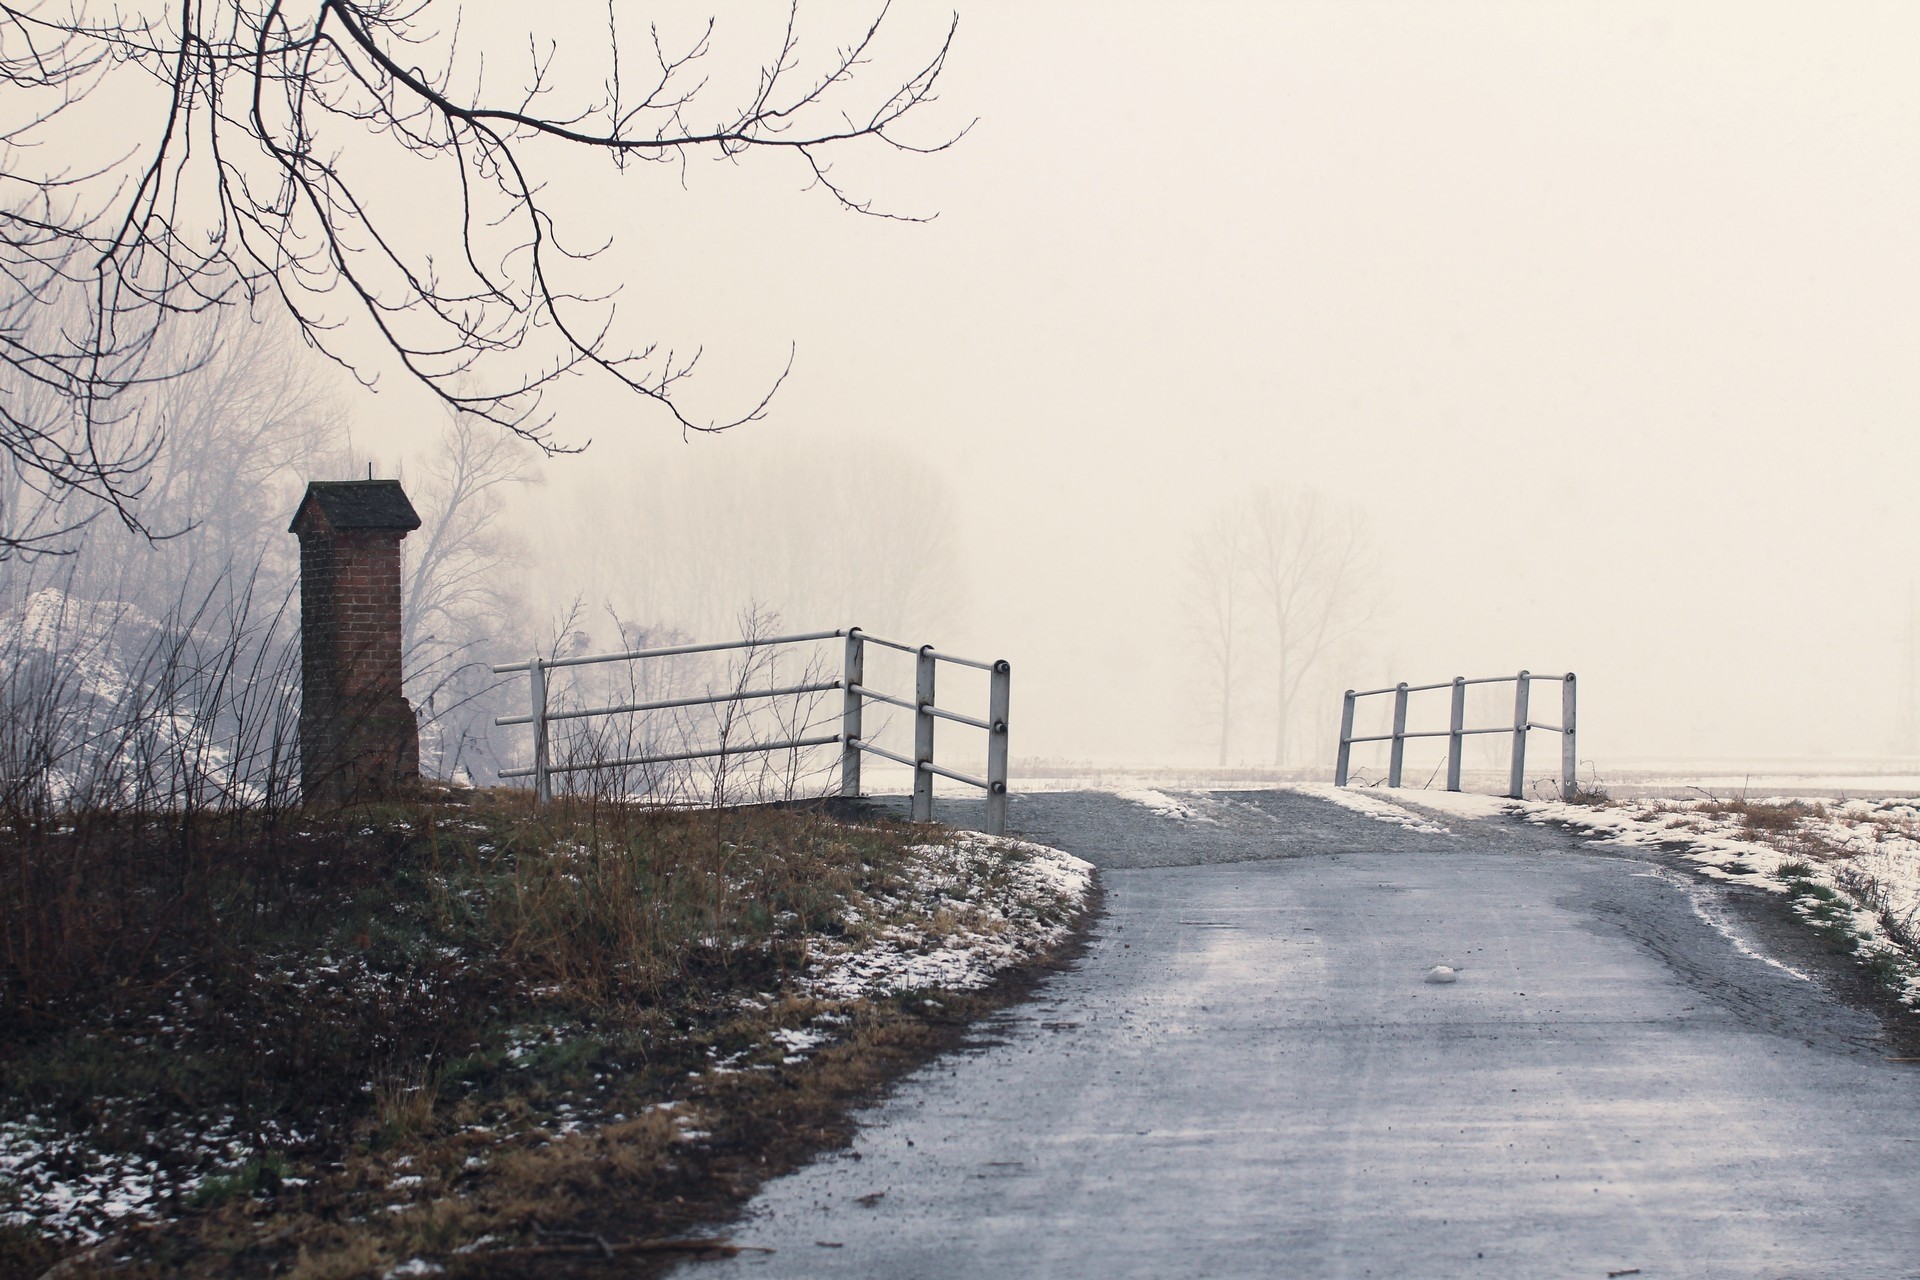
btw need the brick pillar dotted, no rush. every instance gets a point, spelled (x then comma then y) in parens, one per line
(358, 737)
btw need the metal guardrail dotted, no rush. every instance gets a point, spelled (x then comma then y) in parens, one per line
(1456, 733)
(851, 737)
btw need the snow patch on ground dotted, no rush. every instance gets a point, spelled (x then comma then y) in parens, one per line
(1162, 804)
(975, 906)
(1460, 804)
(1861, 859)
(1372, 805)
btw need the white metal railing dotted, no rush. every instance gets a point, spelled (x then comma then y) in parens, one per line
(1456, 733)
(851, 738)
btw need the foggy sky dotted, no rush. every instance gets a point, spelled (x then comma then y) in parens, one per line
(1605, 314)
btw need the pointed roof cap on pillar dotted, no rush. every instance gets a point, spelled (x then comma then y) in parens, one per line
(335, 505)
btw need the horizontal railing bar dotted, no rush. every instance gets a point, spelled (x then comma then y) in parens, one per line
(927, 765)
(885, 754)
(957, 718)
(1447, 733)
(932, 652)
(892, 701)
(750, 749)
(958, 661)
(1551, 728)
(890, 644)
(887, 698)
(672, 651)
(944, 772)
(1448, 684)
(670, 703)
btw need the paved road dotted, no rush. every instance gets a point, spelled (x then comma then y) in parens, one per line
(1247, 1076)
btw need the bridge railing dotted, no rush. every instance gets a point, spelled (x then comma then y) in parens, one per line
(1457, 732)
(852, 737)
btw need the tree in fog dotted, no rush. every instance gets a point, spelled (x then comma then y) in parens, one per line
(1216, 600)
(1283, 578)
(1312, 568)
(462, 603)
(385, 176)
(690, 536)
(231, 447)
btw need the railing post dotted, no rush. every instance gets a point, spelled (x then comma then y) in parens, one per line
(1518, 781)
(853, 700)
(1346, 742)
(997, 702)
(1399, 734)
(1569, 758)
(537, 695)
(1455, 737)
(923, 736)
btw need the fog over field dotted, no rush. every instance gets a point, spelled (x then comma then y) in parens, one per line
(1593, 326)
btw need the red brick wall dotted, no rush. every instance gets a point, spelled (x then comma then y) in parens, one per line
(358, 737)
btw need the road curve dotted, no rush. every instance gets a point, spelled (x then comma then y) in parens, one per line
(1248, 1076)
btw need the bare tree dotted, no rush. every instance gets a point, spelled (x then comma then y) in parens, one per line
(455, 562)
(365, 166)
(458, 591)
(1288, 575)
(791, 526)
(1312, 568)
(1216, 592)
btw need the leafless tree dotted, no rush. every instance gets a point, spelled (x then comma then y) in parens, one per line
(462, 603)
(792, 526)
(1284, 576)
(368, 168)
(455, 563)
(1217, 589)
(1312, 567)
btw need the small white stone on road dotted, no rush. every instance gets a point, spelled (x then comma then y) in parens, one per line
(1441, 973)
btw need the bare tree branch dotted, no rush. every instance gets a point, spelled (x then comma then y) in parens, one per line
(256, 161)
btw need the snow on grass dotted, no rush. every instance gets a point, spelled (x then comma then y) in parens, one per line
(1161, 804)
(963, 910)
(1371, 804)
(973, 906)
(1851, 867)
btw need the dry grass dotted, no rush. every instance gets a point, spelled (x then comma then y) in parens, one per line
(462, 1007)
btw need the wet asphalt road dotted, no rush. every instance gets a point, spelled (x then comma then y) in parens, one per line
(1247, 1076)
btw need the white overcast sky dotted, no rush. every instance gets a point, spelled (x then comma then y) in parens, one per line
(1606, 314)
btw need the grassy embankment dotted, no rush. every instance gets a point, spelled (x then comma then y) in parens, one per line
(456, 1034)
(1849, 869)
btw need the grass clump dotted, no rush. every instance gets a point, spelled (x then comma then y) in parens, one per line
(1762, 816)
